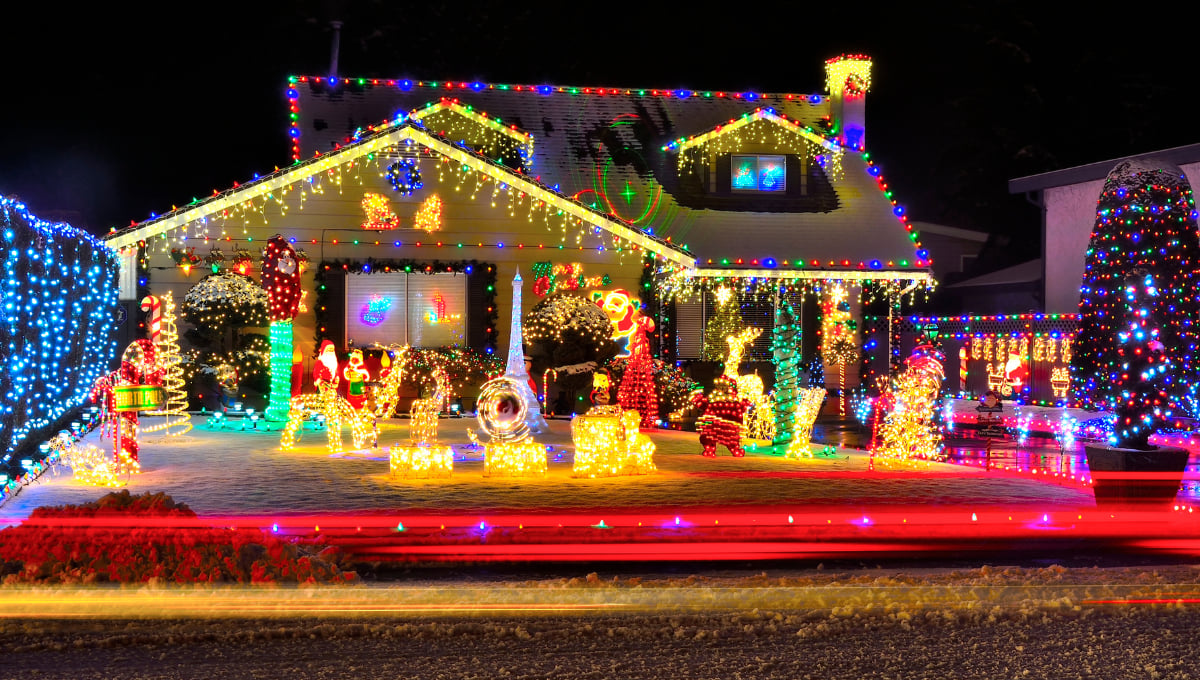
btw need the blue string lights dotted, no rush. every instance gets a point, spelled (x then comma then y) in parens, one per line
(56, 336)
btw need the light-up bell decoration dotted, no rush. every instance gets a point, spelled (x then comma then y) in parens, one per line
(607, 439)
(423, 457)
(503, 416)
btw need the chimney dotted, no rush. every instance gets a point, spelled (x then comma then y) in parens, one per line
(335, 47)
(847, 78)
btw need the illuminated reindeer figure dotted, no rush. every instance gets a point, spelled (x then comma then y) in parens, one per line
(336, 410)
(423, 417)
(760, 420)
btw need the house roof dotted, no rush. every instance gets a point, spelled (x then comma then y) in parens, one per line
(611, 149)
(1179, 155)
(390, 135)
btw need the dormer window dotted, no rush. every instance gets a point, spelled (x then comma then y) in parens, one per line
(758, 173)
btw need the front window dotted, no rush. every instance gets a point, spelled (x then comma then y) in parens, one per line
(758, 173)
(422, 310)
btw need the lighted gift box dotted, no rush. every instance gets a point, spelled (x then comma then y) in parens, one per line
(608, 443)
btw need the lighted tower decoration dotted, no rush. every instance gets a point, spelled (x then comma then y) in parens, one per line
(1145, 370)
(1145, 219)
(281, 279)
(165, 335)
(785, 354)
(909, 428)
(726, 321)
(515, 368)
(837, 337)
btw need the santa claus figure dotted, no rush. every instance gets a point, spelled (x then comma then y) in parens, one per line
(325, 370)
(721, 423)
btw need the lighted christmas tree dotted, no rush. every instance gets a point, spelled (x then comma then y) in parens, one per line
(1145, 378)
(785, 353)
(1145, 219)
(725, 322)
(177, 421)
(909, 428)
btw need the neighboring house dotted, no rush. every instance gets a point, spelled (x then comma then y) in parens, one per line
(1068, 200)
(956, 249)
(767, 194)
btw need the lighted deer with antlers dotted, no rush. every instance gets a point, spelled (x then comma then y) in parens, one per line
(336, 410)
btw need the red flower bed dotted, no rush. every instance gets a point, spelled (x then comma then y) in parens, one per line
(40, 551)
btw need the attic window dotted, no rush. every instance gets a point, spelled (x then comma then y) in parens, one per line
(758, 173)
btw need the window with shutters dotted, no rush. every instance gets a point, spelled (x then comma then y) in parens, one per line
(422, 310)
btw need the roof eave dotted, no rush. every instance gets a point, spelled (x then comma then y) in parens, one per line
(378, 142)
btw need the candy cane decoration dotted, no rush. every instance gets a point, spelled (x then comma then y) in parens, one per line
(153, 304)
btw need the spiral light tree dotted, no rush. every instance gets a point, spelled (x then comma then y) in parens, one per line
(165, 335)
(281, 279)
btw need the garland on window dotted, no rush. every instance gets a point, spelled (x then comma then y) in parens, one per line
(486, 270)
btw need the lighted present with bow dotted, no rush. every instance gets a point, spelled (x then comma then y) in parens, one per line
(608, 443)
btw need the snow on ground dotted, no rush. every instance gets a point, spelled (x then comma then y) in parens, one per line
(244, 472)
(1005, 622)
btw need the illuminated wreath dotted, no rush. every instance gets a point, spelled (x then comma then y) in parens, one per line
(405, 176)
(502, 410)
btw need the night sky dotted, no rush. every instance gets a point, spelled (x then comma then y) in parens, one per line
(108, 118)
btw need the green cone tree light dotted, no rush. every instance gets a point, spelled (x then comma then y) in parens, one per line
(785, 353)
(1145, 219)
(281, 280)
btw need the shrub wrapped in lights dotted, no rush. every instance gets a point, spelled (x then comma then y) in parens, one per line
(1145, 219)
(60, 294)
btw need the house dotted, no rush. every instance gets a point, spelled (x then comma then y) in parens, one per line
(1068, 199)
(669, 193)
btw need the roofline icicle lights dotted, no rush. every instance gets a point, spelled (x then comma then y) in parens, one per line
(375, 143)
(518, 135)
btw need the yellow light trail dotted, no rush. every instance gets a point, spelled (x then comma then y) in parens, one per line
(402, 602)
